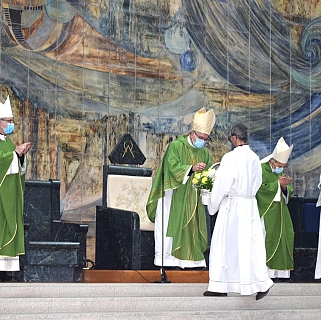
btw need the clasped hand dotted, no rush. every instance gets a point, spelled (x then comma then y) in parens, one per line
(199, 166)
(23, 148)
(284, 181)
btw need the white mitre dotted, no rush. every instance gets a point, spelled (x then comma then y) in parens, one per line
(5, 109)
(281, 152)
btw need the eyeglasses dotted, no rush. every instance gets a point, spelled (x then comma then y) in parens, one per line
(8, 120)
(279, 164)
(202, 138)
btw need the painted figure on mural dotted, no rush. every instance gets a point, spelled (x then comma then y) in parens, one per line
(237, 254)
(273, 197)
(174, 199)
(317, 273)
(12, 177)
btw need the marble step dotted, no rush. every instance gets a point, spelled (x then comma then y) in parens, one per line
(156, 304)
(311, 314)
(161, 301)
(65, 290)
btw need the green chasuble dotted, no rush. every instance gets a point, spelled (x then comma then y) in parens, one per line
(11, 203)
(279, 239)
(187, 220)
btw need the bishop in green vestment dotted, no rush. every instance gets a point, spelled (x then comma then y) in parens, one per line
(174, 205)
(13, 163)
(272, 198)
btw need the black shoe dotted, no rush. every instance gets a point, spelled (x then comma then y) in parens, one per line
(214, 294)
(5, 277)
(261, 295)
(195, 269)
(275, 280)
(173, 268)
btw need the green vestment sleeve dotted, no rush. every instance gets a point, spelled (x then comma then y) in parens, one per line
(5, 162)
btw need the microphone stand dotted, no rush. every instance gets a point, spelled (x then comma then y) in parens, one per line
(162, 270)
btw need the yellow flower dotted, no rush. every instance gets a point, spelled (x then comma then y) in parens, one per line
(204, 180)
(197, 175)
(204, 173)
(194, 180)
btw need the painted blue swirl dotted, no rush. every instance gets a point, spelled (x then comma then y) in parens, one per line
(300, 129)
(251, 46)
(311, 41)
(189, 60)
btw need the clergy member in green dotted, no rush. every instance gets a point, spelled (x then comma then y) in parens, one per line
(185, 231)
(13, 163)
(272, 198)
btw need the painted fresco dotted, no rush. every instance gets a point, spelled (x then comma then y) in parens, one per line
(82, 74)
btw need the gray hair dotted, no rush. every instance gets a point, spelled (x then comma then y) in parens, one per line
(240, 131)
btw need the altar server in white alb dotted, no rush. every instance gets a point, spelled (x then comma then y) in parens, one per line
(237, 256)
(317, 274)
(13, 164)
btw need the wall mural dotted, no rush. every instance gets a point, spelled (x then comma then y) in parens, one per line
(81, 74)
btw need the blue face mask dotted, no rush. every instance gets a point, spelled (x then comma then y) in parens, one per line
(277, 170)
(9, 128)
(199, 143)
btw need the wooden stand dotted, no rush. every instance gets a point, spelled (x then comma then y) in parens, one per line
(144, 276)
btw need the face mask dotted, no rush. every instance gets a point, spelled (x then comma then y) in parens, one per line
(9, 128)
(277, 170)
(199, 143)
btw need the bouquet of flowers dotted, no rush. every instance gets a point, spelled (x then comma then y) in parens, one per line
(203, 181)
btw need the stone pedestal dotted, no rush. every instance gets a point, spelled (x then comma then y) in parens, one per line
(55, 250)
(120, 244)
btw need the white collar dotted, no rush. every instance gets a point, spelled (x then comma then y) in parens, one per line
(189, 141)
